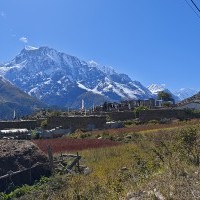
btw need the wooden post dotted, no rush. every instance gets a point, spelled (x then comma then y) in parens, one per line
(50, 159)
(74, 163)
(78, 164)
(30, 174)
(61, 156)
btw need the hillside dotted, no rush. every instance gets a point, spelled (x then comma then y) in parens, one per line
(161, 163)
(12, 98)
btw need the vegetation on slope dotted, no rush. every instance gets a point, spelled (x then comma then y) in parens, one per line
(153, 165)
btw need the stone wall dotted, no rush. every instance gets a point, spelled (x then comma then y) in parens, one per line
(121, 116)
(147, 115)
(77, 122)
(27, 176)
(28, 124)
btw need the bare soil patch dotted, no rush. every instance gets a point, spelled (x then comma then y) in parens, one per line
(17, 155)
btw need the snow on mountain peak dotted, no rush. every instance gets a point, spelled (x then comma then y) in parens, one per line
(104, 69)
(178, 95)
(93, 63)
(155, 88)
(60, 79)
(30, 48)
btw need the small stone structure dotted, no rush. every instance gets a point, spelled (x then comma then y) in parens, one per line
(15, 134)
(54, 133)
(113, 124)
(77, 122)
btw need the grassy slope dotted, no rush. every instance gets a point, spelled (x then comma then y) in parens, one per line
(151, 164)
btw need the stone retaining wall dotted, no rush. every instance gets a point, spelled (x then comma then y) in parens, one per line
(77, 122)
(121, 116)
(147, 115)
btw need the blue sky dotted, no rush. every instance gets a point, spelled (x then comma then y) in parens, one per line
(152, 41)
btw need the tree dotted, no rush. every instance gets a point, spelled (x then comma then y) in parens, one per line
(165, 96)
(138, 109)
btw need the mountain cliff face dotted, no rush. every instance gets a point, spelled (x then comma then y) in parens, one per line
(63, 80)
(12, 99)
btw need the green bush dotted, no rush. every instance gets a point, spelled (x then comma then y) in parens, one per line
(19, 192)
(44, 124)
(189, 141)
(138, 109)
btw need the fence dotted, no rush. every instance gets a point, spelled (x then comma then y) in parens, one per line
(28, 176)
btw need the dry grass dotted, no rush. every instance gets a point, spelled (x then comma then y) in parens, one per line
(154, 165)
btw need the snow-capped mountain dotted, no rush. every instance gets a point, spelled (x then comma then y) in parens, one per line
(156, 88)
(185, 93)
(60, 79)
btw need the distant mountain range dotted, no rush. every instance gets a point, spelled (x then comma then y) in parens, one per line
(185, 93)
(194, 98)
(13, 100)
(59, 79)
(178, 95)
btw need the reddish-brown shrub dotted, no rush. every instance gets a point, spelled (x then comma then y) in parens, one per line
(67, 144)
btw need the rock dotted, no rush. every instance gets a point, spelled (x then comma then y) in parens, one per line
(159, 196)
(87, 171)
(124, 169)
(128, 137)
(136, 196)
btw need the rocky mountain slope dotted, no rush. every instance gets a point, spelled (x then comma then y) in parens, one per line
(12, 98)
(60, 79)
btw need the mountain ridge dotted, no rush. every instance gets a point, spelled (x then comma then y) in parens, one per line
(13, 99)
(60, 79)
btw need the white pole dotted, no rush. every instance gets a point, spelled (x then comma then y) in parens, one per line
(83, 106)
